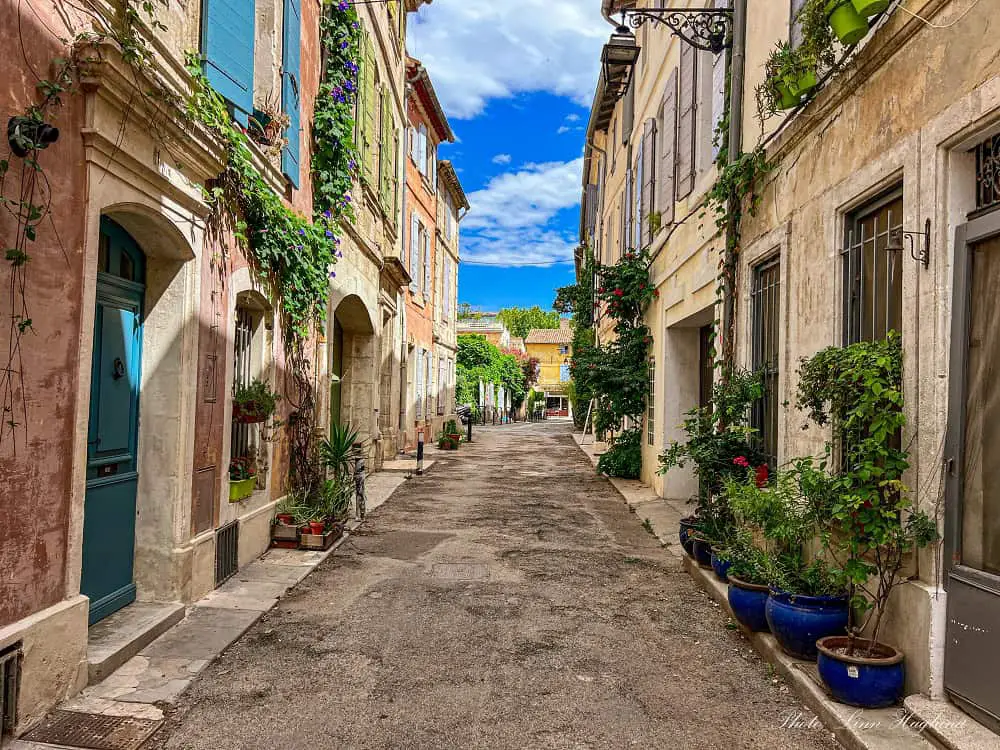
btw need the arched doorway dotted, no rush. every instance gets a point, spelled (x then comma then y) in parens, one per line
(107, 576)
(352, 360)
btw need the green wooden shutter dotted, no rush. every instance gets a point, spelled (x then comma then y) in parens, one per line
(368, 114)
(385, 160)
(290, 85)
(227, 50)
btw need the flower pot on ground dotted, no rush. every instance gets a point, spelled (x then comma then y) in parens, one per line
(686, 526)
(287, 519)
(849, 25)
(870, 7)
(720, 566)
(748, 602)
(702, 552)
(798, 621)
(317, 527)
(860, 673)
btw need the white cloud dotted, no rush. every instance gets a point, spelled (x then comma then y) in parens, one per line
(511, 220)
(562, 129)
(476, 50)
(501, 159)
(572, 118)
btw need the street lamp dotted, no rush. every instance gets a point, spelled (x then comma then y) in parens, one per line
(619, 58)
(709, 29)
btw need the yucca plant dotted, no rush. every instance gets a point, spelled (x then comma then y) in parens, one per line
(338, 452)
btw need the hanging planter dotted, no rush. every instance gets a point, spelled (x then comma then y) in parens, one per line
(849, 25)
(785, 98)
(870, 7)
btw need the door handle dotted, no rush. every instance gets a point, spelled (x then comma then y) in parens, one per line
(119, 369)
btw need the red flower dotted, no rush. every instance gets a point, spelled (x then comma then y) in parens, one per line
(742, 461)
(618, 292)
(656, 293)
(761, 475)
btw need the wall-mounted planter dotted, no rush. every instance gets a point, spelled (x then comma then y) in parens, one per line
(849, 25)
(802, 85)
(248, 413)
(786, 98)
(870, 7)
(241, 489)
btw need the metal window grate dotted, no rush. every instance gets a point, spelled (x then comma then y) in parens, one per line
(227, 552)
(765, 306)
(650, 398)
(873, 280)
(10, 683)
(240, 438)
(988, 175)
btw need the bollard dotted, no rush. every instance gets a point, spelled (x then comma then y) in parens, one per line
(469, 438)
(359, 480)
(420, 452)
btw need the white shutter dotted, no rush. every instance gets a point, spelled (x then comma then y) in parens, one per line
(686, 121)
(414, 249)
(419, 389)
(668, 148)
(427, 265)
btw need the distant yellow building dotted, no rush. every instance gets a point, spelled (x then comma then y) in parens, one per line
(553, 348)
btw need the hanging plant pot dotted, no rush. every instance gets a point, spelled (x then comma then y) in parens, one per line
(799, 621)
(241, 489)
(874, 681)
(786, 99)
(849, 25)
(870, 7)
(803, 84)
(748, 601)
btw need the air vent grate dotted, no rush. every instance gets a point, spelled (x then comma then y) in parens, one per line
(227, 552)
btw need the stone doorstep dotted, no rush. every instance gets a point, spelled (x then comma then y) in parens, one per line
(854, 728)
(406, 465)
(947, 725)
(116, 639)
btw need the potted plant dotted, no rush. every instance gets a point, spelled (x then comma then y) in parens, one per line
(870, 8)
(445, 443)
(254, 403)
(870, 524)
(849, 25)
(340, 451)
(749, 573)
(807, 597)
(267, 125)
(242, 478)
(452, 431)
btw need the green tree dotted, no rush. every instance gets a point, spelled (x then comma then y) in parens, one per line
(521, 320)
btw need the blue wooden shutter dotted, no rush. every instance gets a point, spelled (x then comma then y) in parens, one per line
(290, 88)
(227, 47)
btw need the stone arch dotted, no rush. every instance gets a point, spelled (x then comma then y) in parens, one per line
(352, 347)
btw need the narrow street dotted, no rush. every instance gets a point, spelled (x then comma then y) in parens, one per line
(508, 599)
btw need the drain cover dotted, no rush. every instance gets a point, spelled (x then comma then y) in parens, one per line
(93, 731)
(462, 571)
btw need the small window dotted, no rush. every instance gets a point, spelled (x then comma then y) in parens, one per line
(873, 280)
(564, 349)
(765, 308)
(987, 181)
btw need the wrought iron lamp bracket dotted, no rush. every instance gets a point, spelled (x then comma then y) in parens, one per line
(705, 29)
(924, 255)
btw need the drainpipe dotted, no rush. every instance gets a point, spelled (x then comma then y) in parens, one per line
(737, 70)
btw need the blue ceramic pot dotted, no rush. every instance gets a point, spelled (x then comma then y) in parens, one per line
(721, 567)
(687, 524)
(703, 553)
(799, 621)
(875, 682)
(748, 601)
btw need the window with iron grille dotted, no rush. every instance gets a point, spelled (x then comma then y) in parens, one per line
(988, 175)
(650, 398)
(239, 445)
(765, 309)
(873, 284)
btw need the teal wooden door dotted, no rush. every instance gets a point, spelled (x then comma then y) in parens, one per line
(113, 434)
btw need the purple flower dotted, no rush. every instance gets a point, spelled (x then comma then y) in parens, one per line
(302, 232)
(349, 85)
(352, 165)
(344, 45)
(343, 6)
(298, 247)
(333, 274)
(347, 199)
(329, 234)
(356, 25)
(328, 213)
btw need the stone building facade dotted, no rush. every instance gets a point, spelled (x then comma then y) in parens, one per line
(114, 482)
(878, 214)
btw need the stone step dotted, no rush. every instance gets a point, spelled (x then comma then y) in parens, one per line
(116, 639)
(947, 726)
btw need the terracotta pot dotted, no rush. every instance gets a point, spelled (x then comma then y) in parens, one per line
(286, 518)
(316, 528)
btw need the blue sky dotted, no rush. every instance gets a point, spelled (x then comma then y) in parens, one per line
(515, 79)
